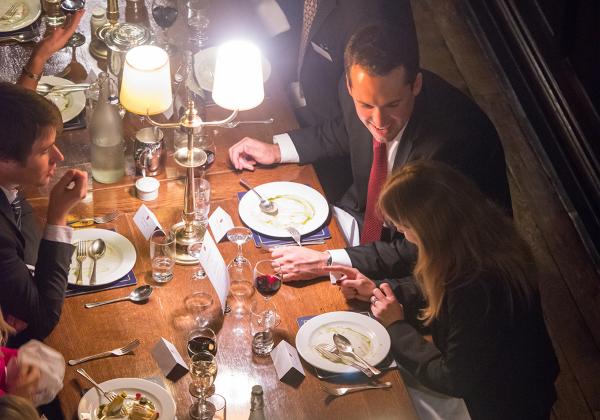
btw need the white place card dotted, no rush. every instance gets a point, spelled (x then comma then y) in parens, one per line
(169, 360)
(287, 363)
(220, 222)
(146, 221)
(213, 263)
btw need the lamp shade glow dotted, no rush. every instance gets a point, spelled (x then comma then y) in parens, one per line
(146, 85)
(238, 81)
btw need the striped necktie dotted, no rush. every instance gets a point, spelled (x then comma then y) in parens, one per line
(310, 11)
(17, 209)
(373, 224)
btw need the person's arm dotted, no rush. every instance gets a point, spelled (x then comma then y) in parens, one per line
(382, 260)
(54, 41)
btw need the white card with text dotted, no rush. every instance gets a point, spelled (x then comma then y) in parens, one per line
(213, 263)
(286, 360)
(220, 222)
(146, 221)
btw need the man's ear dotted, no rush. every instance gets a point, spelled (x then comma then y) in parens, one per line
(348, 85)
(417, 84)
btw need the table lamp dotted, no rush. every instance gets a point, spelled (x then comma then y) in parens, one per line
(146, 90)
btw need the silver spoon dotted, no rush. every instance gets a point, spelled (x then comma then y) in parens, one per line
(266, 206)
(45, 88)
(234, 124)
(345, 346)
(97, 250)
(21, 38)
(138, 294)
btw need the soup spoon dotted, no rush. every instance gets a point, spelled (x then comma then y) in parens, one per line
(138, 294)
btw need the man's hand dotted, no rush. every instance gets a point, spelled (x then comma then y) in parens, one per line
(247, 152)
(354, 284)
(67, 192)
(25, 382)
(385, 307)
(300, 263)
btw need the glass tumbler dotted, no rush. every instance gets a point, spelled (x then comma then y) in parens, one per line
(162, 255)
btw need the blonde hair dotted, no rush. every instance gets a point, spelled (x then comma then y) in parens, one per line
(13, 407)
(5, 329)
(462, 236)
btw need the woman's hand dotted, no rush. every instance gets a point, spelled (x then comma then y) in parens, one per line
(25, 383)
(353, 284)
(385, 307)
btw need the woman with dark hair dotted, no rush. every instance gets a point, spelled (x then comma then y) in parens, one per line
(475, 290)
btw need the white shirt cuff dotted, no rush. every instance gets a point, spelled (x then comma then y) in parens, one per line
(286, 147)
(340, 257)
(58, 233)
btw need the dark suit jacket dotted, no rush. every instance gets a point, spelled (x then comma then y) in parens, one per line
(445, 126)
(499, 359)
(36, 300)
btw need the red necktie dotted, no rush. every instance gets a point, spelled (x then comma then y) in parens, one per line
(373, 224)
(310, 11)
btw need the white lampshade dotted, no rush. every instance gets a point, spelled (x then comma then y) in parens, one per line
(146, 85)
(238, 81)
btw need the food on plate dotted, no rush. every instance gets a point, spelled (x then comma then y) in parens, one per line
(125, 406)
(291, 211)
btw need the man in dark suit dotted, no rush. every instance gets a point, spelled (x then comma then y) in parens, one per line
(388, 103)
(310, 60)
(34, 271)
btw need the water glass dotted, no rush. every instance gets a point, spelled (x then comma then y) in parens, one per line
(263, 320)
(162, 255)
(198, 20)
(241, 288)
(202, 197)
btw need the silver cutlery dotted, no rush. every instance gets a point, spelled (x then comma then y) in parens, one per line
(138, 294)
(295, 234)
(81, 256)
(266, 206)
(234, 124)
(110, 395)
(329, 351)
(12, 11)
(344, 346)
(338, 392)
(128, 348)
(98, 220)
(282, 244)
(21, 38)
(46, 88)
(96, 251)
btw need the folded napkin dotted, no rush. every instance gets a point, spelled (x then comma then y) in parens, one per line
(128, 280)
(261, 239)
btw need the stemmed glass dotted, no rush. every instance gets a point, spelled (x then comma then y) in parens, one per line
(201, 340)
(240, 286)
(197, 303)
(197, 20)
(267, 280)
(165, 14)
(202, 198)
(203, 370)
(239, 235)
(75, 69)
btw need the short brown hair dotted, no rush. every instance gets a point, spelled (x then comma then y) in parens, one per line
(381, 48)
(24, 115)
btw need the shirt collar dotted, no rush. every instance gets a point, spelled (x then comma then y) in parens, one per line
(10, 191)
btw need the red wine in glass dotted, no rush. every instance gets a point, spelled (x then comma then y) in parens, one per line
(201, 343)
(267, 284)
(164, 16)
(210, 159)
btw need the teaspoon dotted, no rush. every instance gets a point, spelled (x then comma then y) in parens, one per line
(345, 346)
(266, 206)
(97, 250)
(138, 294)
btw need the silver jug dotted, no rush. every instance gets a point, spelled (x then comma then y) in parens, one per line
(148, 151)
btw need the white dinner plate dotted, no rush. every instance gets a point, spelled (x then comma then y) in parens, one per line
(27, 13)
(204, 67)
(298, 205)
(69, 104)
(118, 260)
(163, 402)
(369, 338)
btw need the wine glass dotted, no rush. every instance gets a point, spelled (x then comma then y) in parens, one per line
(267, 278)
(197, 303)
(201, 340)
(240, 286)
(203, 370)
(239, 235)
(74, 68)
(198, 20)
(165, 14)
(207, 144)
(202, 199)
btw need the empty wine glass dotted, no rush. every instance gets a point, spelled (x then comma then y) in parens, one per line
(239, 235)
(197, 20)
(165, 14)
(203, 370)
(75, 71)
(197, 303)
(240, 286)
(195, 249)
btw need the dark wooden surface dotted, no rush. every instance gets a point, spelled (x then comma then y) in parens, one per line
(87, 331)
(453, 46)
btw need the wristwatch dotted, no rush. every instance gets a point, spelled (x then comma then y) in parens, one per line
(329, 260)
(31, 75)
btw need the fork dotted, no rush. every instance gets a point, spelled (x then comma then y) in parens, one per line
(81, 256)
(234, 124)
(116, 352)
(294, 234)
(110, 395)
(338, 392)
(99, 220)
(12, 10)
(330, 352)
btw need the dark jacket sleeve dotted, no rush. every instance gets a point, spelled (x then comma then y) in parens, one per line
(379, 260)
(469, 344)
(328, 139)
(36, 300)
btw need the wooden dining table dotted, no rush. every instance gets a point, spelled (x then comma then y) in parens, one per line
(82, 331)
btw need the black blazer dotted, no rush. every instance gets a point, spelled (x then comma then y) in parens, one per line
(38, 299)
(445, 125)
(498, 358)
(335, 22)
